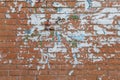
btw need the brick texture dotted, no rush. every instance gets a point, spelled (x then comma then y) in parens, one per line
(59, 39)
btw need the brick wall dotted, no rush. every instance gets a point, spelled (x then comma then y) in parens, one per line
(59, 40)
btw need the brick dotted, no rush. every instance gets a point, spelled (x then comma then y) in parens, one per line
(3, 73)
(18, 73)
(11, 56)
(7, 67)
(38, 72)
(87, 77)
(66, 77)
(10, 21)
(110, 77)
(20, 16)
(8, 78)
(46, 77)
(114, 73)
(3, 9)
(2, 15)
(26, 78)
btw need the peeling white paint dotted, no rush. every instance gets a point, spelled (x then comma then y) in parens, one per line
(32, 2)
(96, 4)
(20, 7)
(64, 36)
(71, 72)
(8, 16)
(12, 9)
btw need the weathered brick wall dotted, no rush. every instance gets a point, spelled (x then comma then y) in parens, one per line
(59, 39)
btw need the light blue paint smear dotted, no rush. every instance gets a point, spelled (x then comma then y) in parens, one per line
(27, 31)
(88, 4)
(59, 10)
(79, 38)
(58, 36)
(32, 2)
(75, 59)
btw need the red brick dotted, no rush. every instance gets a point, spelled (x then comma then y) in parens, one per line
(38, 72)
(8, 78)
(7, 67)
(47, 77)
(3, 73)
(3, 9)
(18, 72)
(26, 78)
(87, 77)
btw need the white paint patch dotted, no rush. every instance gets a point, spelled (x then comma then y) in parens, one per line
(96, 4)
(55, 49)
(15, 3)
(70, 26)
(19, 28)
(71, 72)
(37, 19)
(42, 10)
(99, 30)
(118, 33)
(96, 49)
(110, 10)
(100, 78)
(8, 16)
(38, 67)
(12, 9)
(32, 2)
(98, 15)
(81, 45)
(103, 21)
(62, 16)
(19, 7)
(87, 4)
(75, 50)
(95, 58)
(65, 10)
(57, 4)
(79, 3)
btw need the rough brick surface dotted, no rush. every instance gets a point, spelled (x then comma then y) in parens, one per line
(59, 39)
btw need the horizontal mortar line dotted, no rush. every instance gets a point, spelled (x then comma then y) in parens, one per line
(61, 30)
(23, 25)
(70, 14)
(81, 12)
(37, 42)
(93, 24)
(78, 12)
(70, 18)
(82, 41)
(18, 42)
(72, 7)
(92, 35)
(85, 12)
(97, 35)
(66, 7)
(30, 46)
(46, 1)
(66, 27)
(58, 1)
(68, 53)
